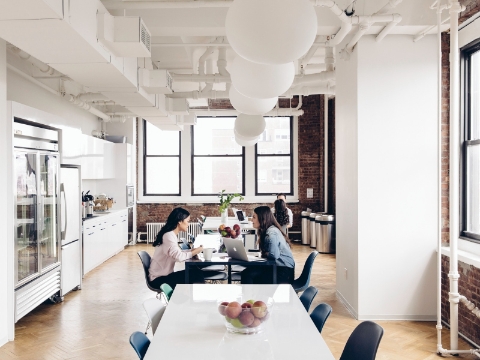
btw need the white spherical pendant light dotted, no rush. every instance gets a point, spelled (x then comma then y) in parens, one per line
(271, 31)
(249, 126)
(250, 106)
(243, 142)
(261, 81)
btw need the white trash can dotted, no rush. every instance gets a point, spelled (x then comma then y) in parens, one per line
(305, 227)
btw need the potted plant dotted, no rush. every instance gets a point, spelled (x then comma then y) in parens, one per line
(225, 200)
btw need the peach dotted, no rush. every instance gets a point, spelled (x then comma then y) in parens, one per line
(259, 309)
(246, 318)
(256, 322)
(222, 307)
(233, 309)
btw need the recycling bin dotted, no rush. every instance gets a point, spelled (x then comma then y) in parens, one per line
(326, 238)
(305, 227)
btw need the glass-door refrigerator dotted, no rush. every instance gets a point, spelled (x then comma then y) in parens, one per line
(37, 255)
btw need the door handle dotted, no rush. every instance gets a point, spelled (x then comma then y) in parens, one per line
(62, 191)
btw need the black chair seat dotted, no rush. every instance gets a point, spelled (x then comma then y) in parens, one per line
(238, 268)
(363, 342)
(320, 315)
(215, 275)
(214, 268)
(146, 259)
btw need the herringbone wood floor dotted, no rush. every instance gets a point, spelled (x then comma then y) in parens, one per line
(96, 322)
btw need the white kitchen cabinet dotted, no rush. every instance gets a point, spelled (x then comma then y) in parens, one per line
(98, 158)
(71, 146)
(103, 238)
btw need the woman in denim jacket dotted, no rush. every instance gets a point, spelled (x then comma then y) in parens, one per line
(274, 245)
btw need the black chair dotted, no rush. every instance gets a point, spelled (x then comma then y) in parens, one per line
(303, 281)
(307, 297)
(140, 343)
(363, 342)
(320, 315)
(145, 258)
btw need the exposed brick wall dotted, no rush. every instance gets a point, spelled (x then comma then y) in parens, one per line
(469, 282)
(469, 286)
(310, 167)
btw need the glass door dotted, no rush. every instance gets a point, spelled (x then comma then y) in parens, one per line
(49, 197)
(26, 245)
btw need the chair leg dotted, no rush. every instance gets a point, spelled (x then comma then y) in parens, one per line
(148, 327)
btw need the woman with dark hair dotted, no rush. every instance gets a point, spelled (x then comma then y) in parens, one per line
(281, 214)
(274, 245)
(167, 252)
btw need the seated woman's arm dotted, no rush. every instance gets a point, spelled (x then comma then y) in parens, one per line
(270, 249)
(175, 252)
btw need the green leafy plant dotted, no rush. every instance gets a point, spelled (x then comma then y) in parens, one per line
(226, 199)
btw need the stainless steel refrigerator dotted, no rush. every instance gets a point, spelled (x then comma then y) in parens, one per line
(71, 228)
(37, 187)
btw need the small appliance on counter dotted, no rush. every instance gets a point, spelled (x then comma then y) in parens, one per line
(87, 204)
(103, 203)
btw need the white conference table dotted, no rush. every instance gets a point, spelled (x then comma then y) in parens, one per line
(212, 224)
(192, 328)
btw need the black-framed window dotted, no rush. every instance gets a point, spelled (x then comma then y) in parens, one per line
(274, 157)
(218, 162)
(471, 144)
(161, 161)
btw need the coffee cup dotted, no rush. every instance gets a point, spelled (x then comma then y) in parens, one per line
(207, 253)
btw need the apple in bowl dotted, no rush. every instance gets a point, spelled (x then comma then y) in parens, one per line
(245, 317)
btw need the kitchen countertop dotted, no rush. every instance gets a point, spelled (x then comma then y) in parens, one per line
(97, 215)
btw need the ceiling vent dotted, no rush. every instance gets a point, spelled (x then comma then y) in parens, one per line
(177, 106)
(156, 81)
(124, 36)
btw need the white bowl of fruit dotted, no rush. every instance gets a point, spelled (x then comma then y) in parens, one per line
(229, 232)
(248, 317)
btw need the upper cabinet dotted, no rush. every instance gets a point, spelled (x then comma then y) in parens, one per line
(125, 163)
(98, 158)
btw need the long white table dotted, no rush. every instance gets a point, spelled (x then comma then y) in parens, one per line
(192, 328)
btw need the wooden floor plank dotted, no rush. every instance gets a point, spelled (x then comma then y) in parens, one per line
(96, 322)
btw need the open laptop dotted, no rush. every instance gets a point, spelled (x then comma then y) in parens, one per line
(236, 250)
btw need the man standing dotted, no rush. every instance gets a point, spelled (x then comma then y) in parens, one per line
(283, 197)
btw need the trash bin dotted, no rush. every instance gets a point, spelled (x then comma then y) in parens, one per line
(311, 231)
(326, 240)
(305, 227)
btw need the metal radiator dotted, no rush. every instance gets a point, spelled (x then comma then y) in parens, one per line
(153, 229)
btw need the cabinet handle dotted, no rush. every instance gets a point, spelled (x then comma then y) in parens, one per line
(102, 229)
(114, 224)
(90, 234)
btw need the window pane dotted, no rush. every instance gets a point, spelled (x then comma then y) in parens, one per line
(475, 96)
(162, 175)
(161, 142)
(473, 189)
(273, 174)
(276, 137)
(213, 174)
(214, 136)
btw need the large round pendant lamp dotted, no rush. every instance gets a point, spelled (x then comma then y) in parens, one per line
(271, 31)
(261, 81)
(250, 106)
(249, 126)
(245, 143)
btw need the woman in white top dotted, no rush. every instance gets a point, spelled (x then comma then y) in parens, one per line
(167, 252)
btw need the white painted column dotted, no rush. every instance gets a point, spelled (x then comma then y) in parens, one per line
(6, 210)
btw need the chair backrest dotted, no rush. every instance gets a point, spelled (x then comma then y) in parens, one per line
(363, 342)
(307, 297)
(140, 343)
(320, 315)
(154, 309)
(167, 291)
(304, 278)
(145, 258)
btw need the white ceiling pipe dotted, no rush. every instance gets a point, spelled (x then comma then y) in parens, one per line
(210, 50)
(214, 78)
(389, 7)
(315, 67)
(91, 97)
(306, 79)
(35, 62)
(362, 29)
(389, 27)
(90, 109)
(233, 112)
(430, 28)
(222, 62)
(306, 58)
(207, 94)
(86, 106)
(118, 119)
(329, 59)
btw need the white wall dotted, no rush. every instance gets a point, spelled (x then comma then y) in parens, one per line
(346, 167)
(392, 180)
